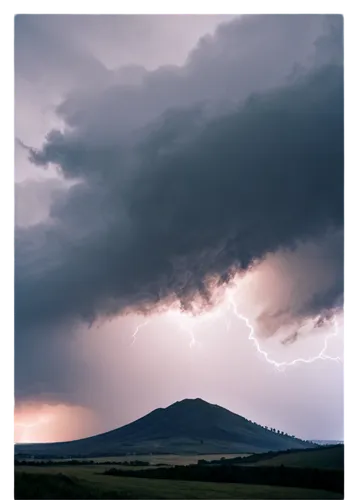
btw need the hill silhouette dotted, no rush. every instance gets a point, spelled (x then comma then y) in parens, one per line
(188, 426)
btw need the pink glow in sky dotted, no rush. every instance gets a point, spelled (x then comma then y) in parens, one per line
(45, 422)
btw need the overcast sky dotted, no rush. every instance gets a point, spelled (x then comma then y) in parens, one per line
(179, 220)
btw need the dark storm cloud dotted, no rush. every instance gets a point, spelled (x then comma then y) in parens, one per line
(245, 184)
(214, 197)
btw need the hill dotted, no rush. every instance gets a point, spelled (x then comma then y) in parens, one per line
(331, 457)
(328, 457)
(188, 426)
(328, 442)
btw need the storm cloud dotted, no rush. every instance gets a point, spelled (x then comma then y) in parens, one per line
(193, 199)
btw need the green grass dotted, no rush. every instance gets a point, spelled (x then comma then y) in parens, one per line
(84, 482)
(322, 458)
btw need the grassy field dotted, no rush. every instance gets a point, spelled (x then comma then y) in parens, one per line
(324, 458)
(83, 482)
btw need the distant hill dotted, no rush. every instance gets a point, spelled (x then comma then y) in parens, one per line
(327, 457)
(328, 442)
(188, 426)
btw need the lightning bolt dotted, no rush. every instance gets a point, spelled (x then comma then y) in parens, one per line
(43, 419)
(284, 364)
(139, 327)
(187, 329)
(189, 323)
